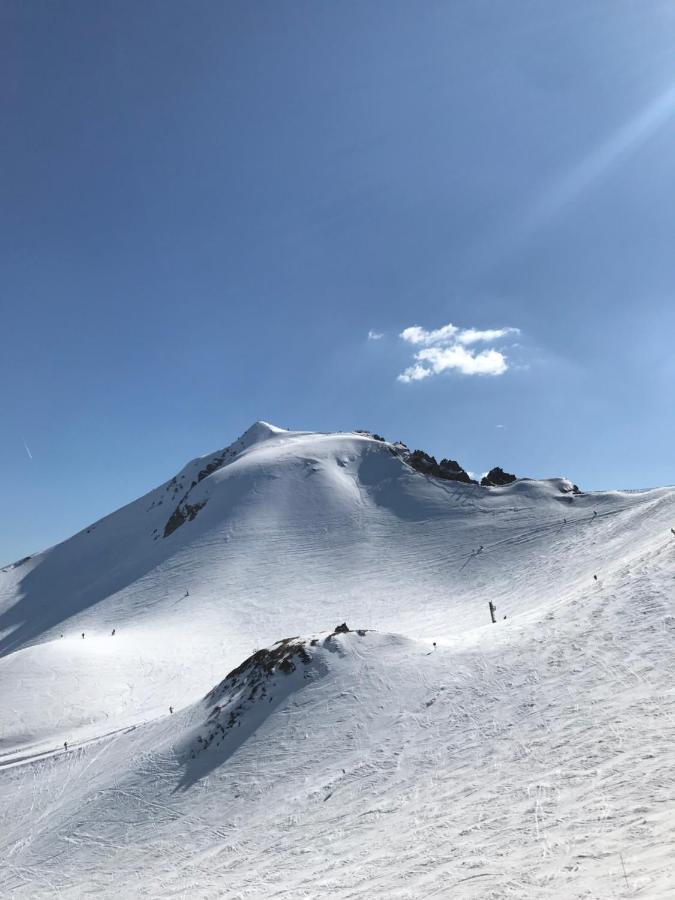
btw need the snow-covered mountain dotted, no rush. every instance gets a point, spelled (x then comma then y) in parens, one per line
(424, 752)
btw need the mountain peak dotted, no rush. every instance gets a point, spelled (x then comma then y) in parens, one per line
(261, 431)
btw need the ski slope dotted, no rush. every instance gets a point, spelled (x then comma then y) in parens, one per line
(433, 755)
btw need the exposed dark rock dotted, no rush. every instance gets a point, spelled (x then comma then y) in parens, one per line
(341, 629)
(452, 471)
(262, 663)
(447, 469)
(212, 466)
(250, 683)
(373, 434)
(497, 477)
(184, 512)
(422, 462)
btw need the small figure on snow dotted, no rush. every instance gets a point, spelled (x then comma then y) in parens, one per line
(83, 635)
(595, 577)
(673, 530)
(595, 513)
(434, 645)
(65, 745)
(171, 710)
(113, 633)
(493, 609)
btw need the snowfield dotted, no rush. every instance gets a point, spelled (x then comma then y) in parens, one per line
(426, 752)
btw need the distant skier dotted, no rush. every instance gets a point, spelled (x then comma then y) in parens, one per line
(673, 530)
(595, 577)
(434, 644)
(113, 633)
(65, 745)
(493, 609)
(594, 513)
(83, 635)
(171, 710)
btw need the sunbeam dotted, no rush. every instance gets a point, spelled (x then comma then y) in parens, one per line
(604, 159)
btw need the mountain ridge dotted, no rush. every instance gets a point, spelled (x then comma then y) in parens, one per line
(120, 649)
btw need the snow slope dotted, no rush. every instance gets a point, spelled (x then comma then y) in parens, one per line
(531, 758)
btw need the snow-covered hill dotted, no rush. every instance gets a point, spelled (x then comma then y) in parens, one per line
(429, 753)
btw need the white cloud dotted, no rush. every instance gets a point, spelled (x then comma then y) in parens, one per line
(375, 335)
(418, 335)
(473, 336)
(414, 373)
(440, 359)
(449, 348)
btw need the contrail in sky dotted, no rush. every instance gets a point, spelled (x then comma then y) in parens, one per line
(30, 455)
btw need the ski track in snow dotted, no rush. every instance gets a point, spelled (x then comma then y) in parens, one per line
(530, 758)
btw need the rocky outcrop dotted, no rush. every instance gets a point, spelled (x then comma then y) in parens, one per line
(260, 681)
(184, 512)
(252, 690)
(451, 470)
(447, 469)
(373, 434)
(497, 477)
(284, 656)
(213, 466)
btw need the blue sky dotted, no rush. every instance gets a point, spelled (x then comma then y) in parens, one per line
(206, 208)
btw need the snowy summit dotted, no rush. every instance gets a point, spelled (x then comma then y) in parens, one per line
(326, 665)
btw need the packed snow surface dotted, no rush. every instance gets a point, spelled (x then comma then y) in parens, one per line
(425, 753)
